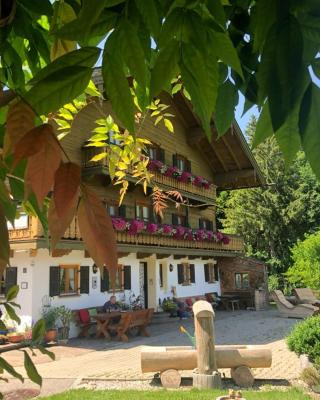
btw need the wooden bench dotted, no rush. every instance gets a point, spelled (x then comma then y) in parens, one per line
(85, 326)
(131, 320)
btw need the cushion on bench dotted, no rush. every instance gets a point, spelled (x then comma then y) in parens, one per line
(189, 302)
(84, 316)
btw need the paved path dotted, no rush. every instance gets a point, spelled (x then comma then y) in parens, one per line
(97, 358)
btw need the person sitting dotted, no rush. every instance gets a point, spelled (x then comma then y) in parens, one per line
(182, 312)
(111, 305)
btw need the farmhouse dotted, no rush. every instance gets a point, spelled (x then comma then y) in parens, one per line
(181, 255)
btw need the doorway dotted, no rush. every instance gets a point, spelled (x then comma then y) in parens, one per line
(143, 277)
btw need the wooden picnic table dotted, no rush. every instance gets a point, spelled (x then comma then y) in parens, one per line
(227, 299)
(103, 320)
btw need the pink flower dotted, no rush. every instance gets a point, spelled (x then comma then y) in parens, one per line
(167, 229)
(226, 239)
(152, 228)
(189, 234)
(135, 227)
(154, 165)
(206, 184)
(200, 234)
(171, 171)
(180, 231)
(119, 224)
(198, 181)
(219, 236)
(185, 177)
(209, 235)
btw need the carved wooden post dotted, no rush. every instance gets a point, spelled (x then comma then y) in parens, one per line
(206, 375)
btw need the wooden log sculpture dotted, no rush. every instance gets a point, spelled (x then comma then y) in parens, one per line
(206, 375)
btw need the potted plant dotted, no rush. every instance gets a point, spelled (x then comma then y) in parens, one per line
(65, 316)
(50, 318)
(15, 337)
(170, 307)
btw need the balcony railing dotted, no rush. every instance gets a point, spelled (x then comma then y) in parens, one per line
(166, 182)
(72, 234)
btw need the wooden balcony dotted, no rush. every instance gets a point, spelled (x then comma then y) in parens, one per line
(165, 182)
(134, 243)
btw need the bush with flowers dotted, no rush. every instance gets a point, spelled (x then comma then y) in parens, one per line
(181, 176)
(135, 226)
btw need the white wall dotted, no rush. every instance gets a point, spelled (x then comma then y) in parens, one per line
(36, 277)
(200, 287)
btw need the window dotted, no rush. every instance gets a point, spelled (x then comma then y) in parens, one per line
(205, 224)
(143, 212)
(113, 210)
(242, 280)
(179, 219)
(122, 279)
(155, 153)
(211, 272)
(8, 279)
(69, 279)
(186, 274)
(181, 163)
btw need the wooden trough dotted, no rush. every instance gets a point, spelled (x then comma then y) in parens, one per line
(161, 359)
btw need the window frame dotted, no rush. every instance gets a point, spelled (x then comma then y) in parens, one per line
(120, 273)
(241, 280)
(112, 203)
(207, 222)
(187, 274)
(143, 205)
(212, 268)
(76, 268)
(184, 216)
(181, 158)
(157, 149)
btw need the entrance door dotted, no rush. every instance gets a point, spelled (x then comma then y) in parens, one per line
(143, 278)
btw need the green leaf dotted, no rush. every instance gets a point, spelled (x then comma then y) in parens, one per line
(132, 52)
(46, 352)
(11, 312)
(200, 77)
(309, 124)
(168, 125)
(263, 17)
(13, 64)
(117, 86)
(288, 137)
(7, 205)
(39, 7)
(165, 68)
(38, 330)
(58, 88)
(31, 207)
(224, 49)
(281, 73)
(12, 293)
(84, 57)
(4, 242)
(217, 11)
(264, 127)
(31, 369)
(226, 102)
(149, 12)
(9, 368)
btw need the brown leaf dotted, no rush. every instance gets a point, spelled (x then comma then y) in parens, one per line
(58, 225)
(66, 186)
(4, 241)
(31, 143)
(97, 231)
(20, 120)
(42, 166)
(176, 195)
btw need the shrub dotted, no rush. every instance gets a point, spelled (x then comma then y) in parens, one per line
(305, 270)
(305, 338)
(310, 376)
(273, 282)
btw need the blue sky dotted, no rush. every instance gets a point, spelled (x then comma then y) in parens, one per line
(244, 119)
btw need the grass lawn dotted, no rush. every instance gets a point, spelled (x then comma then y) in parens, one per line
(292, 394)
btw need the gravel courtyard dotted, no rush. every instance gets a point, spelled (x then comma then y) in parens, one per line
(99, 360)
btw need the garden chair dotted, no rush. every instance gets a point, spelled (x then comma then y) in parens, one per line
(288, 310)
(306, 296)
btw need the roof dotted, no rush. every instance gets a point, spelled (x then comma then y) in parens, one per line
(230, 158)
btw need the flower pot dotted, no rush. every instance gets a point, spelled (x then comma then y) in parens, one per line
(51, 335)
(15, 338)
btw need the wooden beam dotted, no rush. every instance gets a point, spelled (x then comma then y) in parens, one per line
(142, 256)
(160, 256)
(229, 177)
(122, 254)
(179, 256)
(60, 252)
